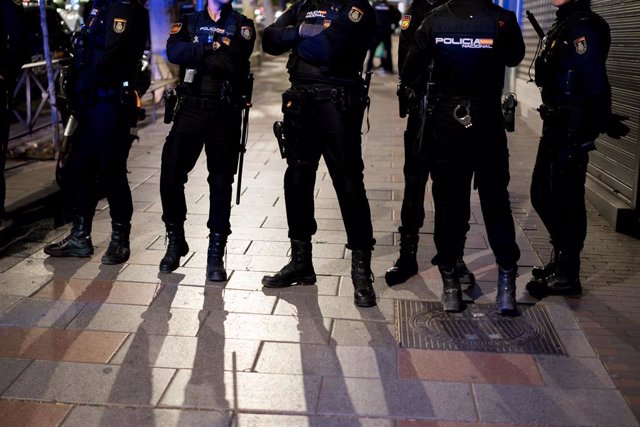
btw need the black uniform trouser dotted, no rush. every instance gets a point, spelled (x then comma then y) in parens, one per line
(4, 140)
(458, 154)
(331, 129)
(416, 175)
(557, 189)
(98, 160)
(211, 123)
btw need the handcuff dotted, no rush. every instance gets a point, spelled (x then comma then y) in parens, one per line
(462, 113)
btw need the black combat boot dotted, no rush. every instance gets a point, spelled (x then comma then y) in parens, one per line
(77, 244)
(215, 258)
(362, 278)
(118, 250)
(506, 295)
(407, 265)
(466, 277)
(566, 279)
(548, 269)
(177, 247)
(451, 289)
(298, 270)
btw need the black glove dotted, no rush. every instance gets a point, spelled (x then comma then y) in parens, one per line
(310, 30)
(614, 126)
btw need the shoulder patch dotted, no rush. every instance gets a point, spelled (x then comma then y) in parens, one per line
(119, 24)
(246, 32)
(175, 28)
(406, 20)
(581, 45)
(355, 14)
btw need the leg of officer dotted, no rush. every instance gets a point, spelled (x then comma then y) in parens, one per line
(342, 151)
(557, 194)
(416, 175)
(221, 147)
(179, 155)
(451, 171)
(492, 178)
(299, 182)
(82, 176)
(113, 142)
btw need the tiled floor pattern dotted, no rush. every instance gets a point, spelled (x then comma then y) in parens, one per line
(86, 344)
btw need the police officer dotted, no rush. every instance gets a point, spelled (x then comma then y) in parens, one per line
(468, 43)
(576, 96)
(387, 17)
(12, 38)
(323, 113)
(107, 52)
(416, 167)
(212, 48)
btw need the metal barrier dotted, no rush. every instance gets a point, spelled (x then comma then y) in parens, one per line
(27, 80)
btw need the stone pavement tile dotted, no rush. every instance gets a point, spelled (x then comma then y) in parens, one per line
(548, 405)
(59, 344)
(208, 349)
(21, 284)
(268, 420)
(134, 318)
(82, 416)
(79, 268)
(269, 327)
(388, 397)
(216, 298)
(424, 423)
(231, 261)
(560, 314)
(33, 312)
(8, 301)
(107, 291)
(234, 246)
(6, 262)
(10, 369)
(575, 343)
(323, 223)
(31, 414)
(470, 367)
(336, 307)
(327, 360)
(90, 383)
(374, 334)
(282, 249)
(255, 392)
(573, 372)
(252, 281)
(150, 274)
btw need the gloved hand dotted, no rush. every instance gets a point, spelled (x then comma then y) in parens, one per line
(614, 126)
(310, 30)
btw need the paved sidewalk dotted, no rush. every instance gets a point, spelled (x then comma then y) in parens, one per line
(87, 344)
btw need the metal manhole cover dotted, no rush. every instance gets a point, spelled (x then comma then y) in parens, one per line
(423, 324)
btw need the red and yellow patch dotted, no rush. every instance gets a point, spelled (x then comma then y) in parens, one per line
(326, 23)
(175, 28)
(406, 20)
(355, 14)
(581, 45)
(119, 25)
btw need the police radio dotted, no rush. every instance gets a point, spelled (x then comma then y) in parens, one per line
(170, 101)
(509, 103)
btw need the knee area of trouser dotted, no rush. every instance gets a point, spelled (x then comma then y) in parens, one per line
(302, 166)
